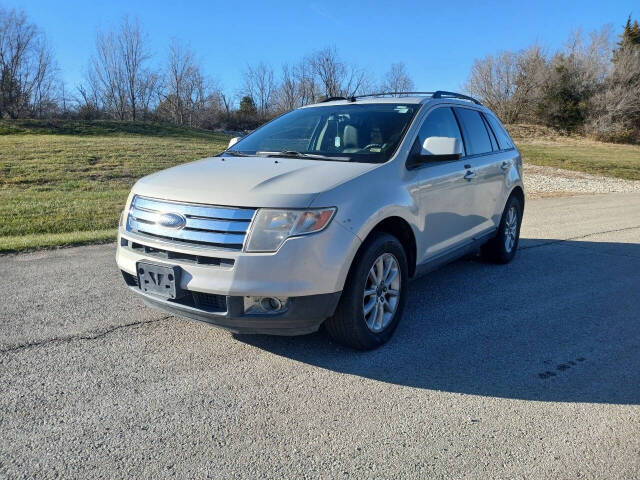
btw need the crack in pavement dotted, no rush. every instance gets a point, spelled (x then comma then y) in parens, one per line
(552, 242)
(91, 336)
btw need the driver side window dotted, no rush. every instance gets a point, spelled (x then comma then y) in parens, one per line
(440, 123)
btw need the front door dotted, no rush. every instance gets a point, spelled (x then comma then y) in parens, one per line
(441, 191)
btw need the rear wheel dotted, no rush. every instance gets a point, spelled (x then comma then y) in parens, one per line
(502, 248)
(374, 295)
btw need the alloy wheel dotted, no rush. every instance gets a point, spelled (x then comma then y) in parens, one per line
(381, 292)
(510, 228)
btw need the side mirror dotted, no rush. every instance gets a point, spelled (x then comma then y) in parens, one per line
(441, 146)
(233, 141)
(437, 149)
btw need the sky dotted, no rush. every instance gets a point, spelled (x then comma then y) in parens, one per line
(438, 41)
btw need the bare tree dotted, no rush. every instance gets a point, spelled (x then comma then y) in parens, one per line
(397, 79)
(509, 82)
(131, 44)
(117, 75)
(184, 86)
(226, 101)
(532, 70)
(106, 76)
(27, 67)
(591, 54)
(259, 84)
(615, 113)
(336, 78)
(289, 91)
(309, 89)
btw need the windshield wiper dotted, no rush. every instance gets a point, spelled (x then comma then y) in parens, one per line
(295, 154)
(236, 153)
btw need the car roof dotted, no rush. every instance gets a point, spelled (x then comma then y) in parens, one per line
(408, 99)
(367, 100)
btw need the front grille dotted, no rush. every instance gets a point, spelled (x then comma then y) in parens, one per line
(182, 257)
(204, 225)
(209, 302)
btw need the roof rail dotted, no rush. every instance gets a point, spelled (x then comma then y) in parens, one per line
(381, 94)
(331, 99)
(445, 94)
(435, 95)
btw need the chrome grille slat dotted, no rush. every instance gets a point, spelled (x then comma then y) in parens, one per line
(217, 225)
(223, 226)
(146, 215)
(220, 213)
(214, 226)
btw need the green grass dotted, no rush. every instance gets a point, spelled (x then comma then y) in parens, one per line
(613, 160)
(64, 183)
(546, 147)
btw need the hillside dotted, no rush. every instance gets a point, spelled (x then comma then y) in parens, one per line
(64, 182)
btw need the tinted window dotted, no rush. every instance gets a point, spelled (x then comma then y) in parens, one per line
(475, 133)
(351, 132)
(440, 123)
(501, 134)
(492, 137)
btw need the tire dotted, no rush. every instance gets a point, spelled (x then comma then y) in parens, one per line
(352, 325)
(503, 247)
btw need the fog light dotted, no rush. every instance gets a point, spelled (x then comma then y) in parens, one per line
(270, 303)
(264, 305)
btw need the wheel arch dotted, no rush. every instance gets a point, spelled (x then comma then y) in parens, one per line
(401, 229)
(518, 192)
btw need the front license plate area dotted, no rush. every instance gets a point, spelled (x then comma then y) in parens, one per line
(160, 280)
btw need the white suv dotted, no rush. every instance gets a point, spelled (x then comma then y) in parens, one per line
(322, 216)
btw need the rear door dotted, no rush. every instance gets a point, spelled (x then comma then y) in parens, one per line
(483, 161)
(506, 160)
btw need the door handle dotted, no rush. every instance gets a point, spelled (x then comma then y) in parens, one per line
(469, 175)
(505, 165)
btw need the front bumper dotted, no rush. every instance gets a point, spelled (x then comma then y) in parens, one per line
(308, 265)
(301, 316)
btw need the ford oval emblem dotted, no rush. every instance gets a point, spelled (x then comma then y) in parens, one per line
(172, 220)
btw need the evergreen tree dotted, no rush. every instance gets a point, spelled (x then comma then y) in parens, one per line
(630, 35)
(248, 106)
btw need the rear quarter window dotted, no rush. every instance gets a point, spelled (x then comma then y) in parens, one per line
(475, 133)
(504, 140)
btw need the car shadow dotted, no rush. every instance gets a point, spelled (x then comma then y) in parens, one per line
(559, 323)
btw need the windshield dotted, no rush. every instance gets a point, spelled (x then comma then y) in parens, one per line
(359, 133)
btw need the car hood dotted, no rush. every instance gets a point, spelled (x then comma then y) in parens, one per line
(249, 181)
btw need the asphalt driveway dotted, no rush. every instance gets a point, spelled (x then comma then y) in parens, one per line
(530, 370)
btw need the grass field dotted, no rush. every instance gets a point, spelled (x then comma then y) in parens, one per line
(542, 146)
(64, 183)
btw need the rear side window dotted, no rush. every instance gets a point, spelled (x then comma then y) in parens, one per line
(504, 141)
(440, 123)
(475, 133)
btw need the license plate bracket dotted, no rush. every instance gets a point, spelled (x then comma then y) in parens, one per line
(160, 280)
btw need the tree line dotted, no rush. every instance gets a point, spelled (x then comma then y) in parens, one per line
(591, 85)
(123, 81)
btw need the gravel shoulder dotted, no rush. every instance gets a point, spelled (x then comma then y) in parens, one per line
(542, 182)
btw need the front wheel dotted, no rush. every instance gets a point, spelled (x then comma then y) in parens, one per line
(502, 248)
(374, 295)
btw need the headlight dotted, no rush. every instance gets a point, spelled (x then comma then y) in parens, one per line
(272, 227)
